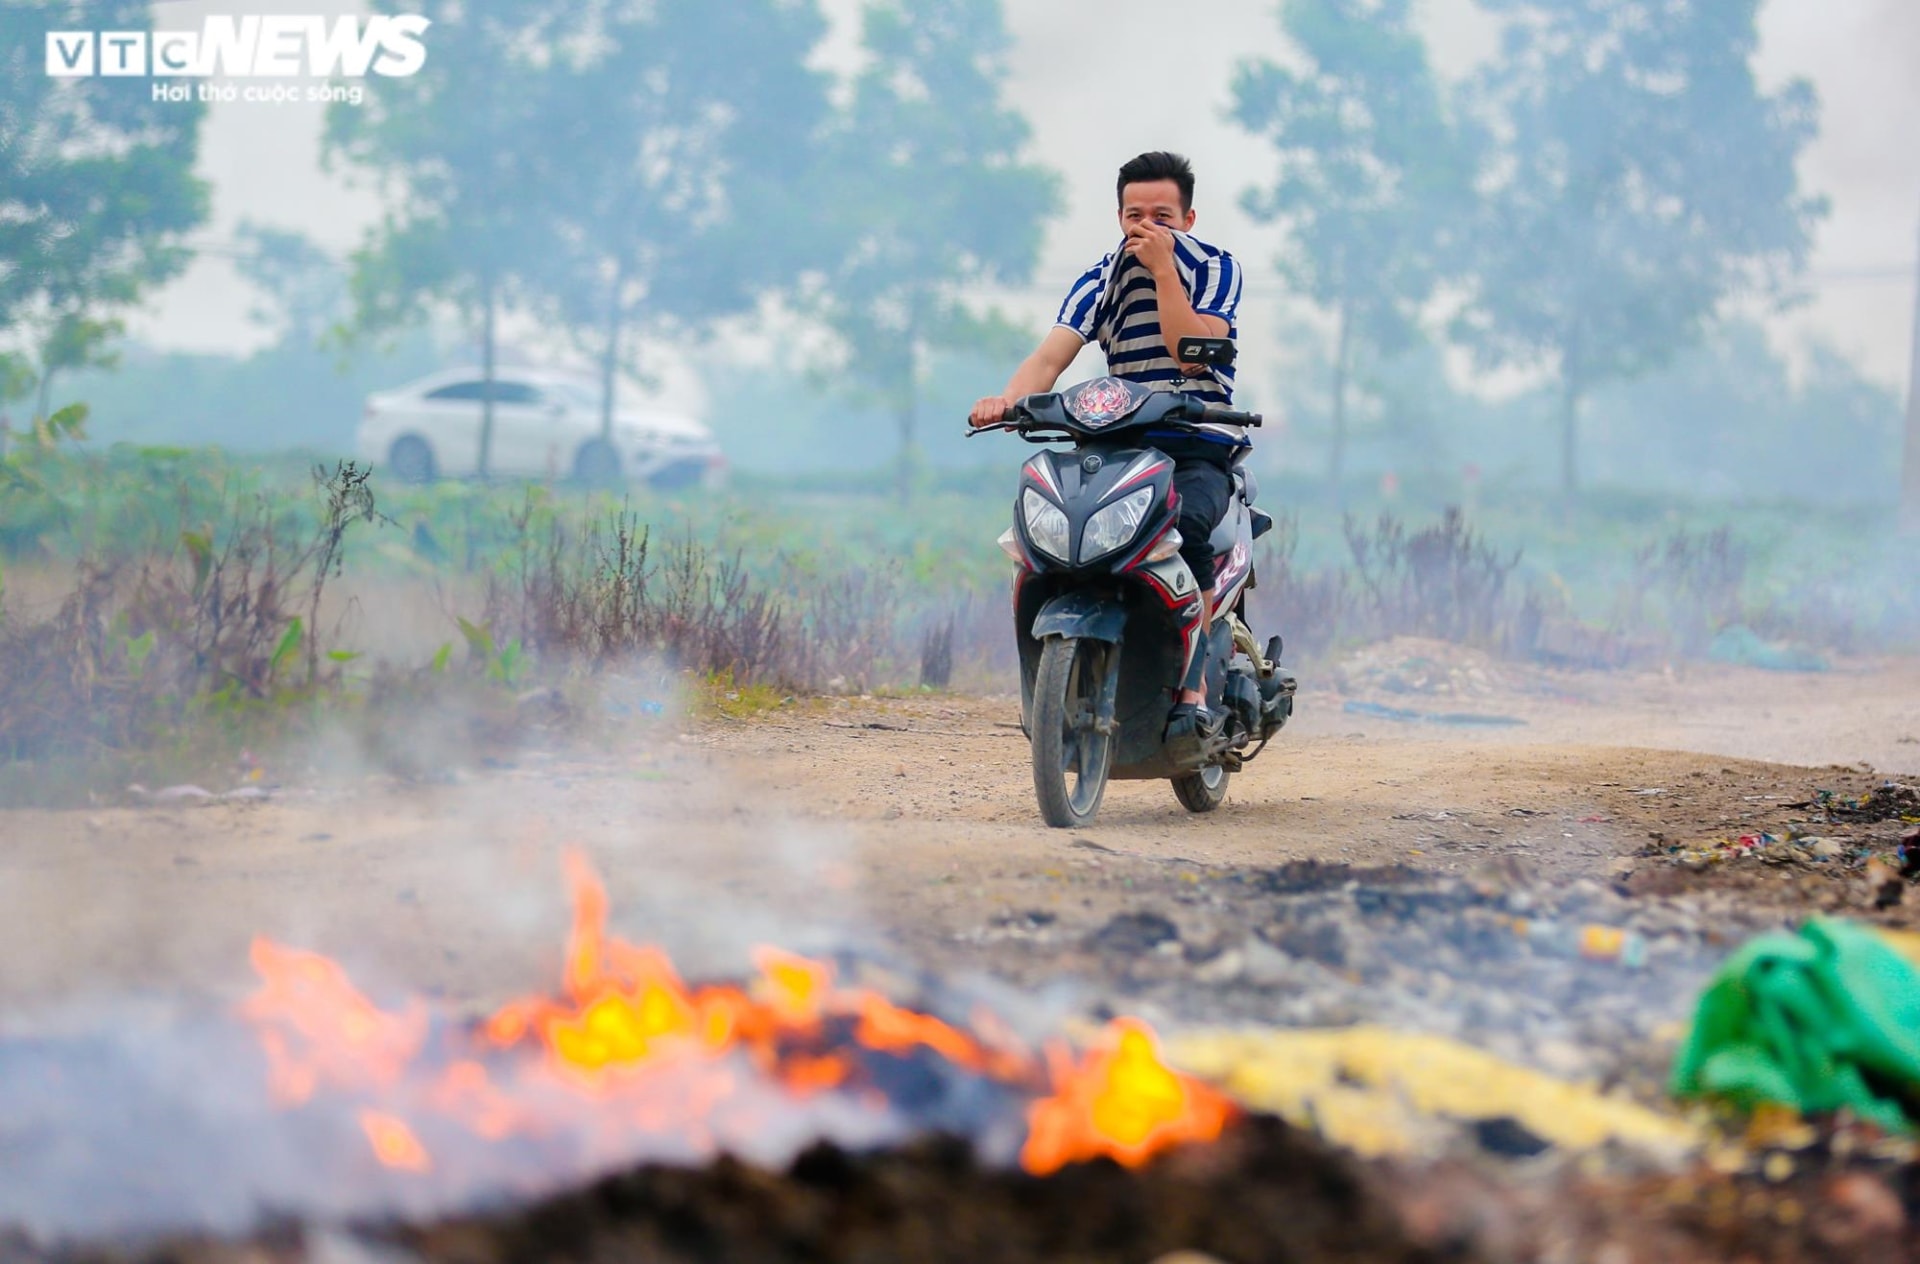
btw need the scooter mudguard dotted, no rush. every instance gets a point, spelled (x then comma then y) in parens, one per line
(1082, 616)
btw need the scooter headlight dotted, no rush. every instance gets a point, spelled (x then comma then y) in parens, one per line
(1115, 525)
(1046, 525)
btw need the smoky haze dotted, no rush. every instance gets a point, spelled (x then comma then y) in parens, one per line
(1065, 74)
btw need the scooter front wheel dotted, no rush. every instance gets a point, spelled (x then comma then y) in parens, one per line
(1201, 791)
(1070, 758)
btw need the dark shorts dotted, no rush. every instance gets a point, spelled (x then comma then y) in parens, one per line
(1203, 485)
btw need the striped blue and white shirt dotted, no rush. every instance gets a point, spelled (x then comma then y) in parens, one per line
(1113, 303)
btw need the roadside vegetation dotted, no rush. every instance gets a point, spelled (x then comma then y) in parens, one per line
(167, 610)
(173, 607)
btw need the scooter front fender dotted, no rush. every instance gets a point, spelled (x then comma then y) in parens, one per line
(1082, 616)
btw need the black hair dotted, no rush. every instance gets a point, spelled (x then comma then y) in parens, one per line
(1158, 165)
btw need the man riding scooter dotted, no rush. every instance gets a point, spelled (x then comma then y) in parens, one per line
(1161, 285)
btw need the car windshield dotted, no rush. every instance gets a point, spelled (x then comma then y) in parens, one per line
(577, 394)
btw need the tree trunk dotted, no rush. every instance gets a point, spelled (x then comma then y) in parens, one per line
(610, 359)
(486, 378)
(1337, 455)
(1569, 435)
(1910, 464)
(907, 462)
(909, 390)
(45, 399)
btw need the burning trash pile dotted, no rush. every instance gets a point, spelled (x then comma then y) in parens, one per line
(630, 1061)
(1379, 1063)
(329, 1106)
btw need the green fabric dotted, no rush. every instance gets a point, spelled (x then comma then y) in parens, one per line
(1826, 1018)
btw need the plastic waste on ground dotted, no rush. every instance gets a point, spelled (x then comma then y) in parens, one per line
(1817, 1021)
(1888, 801)
(1799, 848)
(1382, 1092)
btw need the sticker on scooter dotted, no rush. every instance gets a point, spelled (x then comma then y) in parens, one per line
(1101, 400)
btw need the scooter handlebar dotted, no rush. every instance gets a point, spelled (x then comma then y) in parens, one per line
(1017, 417)
(1229, 416)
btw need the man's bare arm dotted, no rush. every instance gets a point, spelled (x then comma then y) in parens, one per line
(1178, 319)
(1038, 372)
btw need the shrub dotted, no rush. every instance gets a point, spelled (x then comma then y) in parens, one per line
(222, 618)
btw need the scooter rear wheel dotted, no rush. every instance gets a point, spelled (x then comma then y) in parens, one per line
(1070, 760)
(1202, 791)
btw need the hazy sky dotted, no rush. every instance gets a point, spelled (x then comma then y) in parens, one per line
(1075, 76)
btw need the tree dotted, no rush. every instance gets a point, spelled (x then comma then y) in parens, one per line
(457, 148)
(925, 196)
(682, 133)
(1643, 179)
(96, 194)
(1374, 178)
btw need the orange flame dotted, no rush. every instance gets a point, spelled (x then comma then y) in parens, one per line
(394, 1143)
(318, 1029)
(628, 1046)
(793, 986)
(1122, 1102)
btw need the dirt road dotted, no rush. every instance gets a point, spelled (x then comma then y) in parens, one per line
(891, 825)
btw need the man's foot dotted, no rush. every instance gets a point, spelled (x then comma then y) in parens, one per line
(1190, 726)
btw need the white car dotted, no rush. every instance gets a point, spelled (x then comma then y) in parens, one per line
(546, 425)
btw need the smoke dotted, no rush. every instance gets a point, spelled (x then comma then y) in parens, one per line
(158, 1125)
(134, 1100)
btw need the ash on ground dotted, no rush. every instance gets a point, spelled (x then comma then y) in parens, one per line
(1588, 978)
(1495, 961)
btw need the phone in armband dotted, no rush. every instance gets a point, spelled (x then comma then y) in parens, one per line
(1205, 351)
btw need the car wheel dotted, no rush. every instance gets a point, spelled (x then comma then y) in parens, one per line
(679, 475)
(596, 464)
(411, 460)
